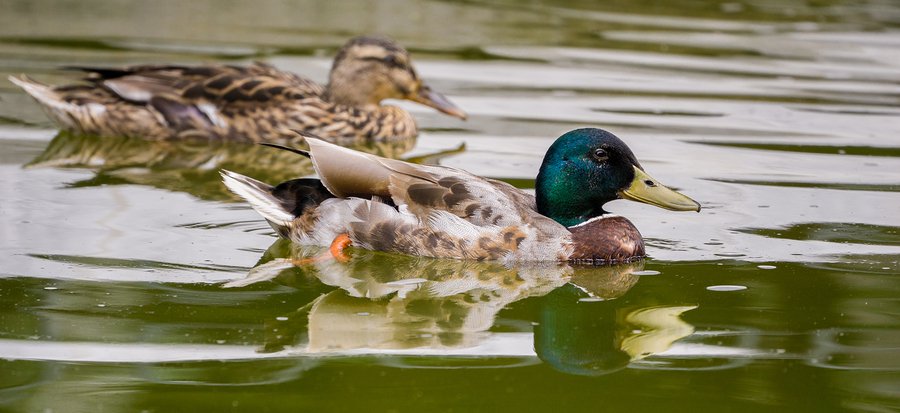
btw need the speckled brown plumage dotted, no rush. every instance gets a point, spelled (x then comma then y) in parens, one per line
(256, 103)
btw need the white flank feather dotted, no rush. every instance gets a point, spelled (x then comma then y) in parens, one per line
(458, 227)
(212, 112)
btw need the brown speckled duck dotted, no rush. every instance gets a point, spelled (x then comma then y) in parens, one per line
(434, 211)
(257, 103)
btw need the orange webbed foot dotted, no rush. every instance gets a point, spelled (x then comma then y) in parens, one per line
(335, 251)
(337, 247)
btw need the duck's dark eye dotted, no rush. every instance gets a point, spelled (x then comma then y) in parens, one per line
(391, 61)
(600, 154)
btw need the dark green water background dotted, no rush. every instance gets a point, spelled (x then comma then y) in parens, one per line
(781, 117)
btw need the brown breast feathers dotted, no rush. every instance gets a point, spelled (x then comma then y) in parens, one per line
(607, 240)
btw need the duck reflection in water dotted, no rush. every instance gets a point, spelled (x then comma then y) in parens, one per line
(393, 304)
(589, 333)
(190, 166)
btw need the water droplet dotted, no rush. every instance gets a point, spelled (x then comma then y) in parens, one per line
(766, 267)
(281, 318)
(589, 299)
(363, 313)
(101, 305)
(220, 341)
(646, 272)
(51, 288)
(729, 254)
(726, 287)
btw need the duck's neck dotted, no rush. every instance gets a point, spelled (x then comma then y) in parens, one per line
(565, 200)
(393, 124)
(351, 87)
(570, 217)
(339, 94)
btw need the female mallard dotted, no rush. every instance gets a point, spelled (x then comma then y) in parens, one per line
(390, 205)
(255, 103)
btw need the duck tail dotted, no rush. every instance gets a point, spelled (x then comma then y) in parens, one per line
(53, 103)
(260, 197)
(282, 204)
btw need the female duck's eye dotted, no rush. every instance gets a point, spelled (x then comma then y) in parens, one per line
(600, 154)
(391, 60)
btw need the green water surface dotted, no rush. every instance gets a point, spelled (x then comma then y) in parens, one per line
(131, 280)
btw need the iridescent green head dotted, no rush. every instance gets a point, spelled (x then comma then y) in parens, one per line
(586, 168)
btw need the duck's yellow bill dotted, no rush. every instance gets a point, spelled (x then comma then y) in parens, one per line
(647, 190)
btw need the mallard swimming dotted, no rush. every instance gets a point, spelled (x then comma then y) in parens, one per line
(435, 211)
(257, 103)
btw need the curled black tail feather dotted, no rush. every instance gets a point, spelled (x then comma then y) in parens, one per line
(286, 148)
(303, 134)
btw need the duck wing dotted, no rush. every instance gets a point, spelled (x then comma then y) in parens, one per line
(254, 103)
(427, 190)
(349, 173)
(215, 83)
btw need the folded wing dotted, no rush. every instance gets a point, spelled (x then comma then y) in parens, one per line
(426, 191)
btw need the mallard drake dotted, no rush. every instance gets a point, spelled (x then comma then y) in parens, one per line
(257, 103)
(435, 211)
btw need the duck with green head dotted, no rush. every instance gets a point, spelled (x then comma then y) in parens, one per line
(435, 211)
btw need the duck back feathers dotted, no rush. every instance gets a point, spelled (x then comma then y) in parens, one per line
(412, 209)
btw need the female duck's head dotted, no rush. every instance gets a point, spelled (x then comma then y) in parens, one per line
(369, 69)
(586, 168)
